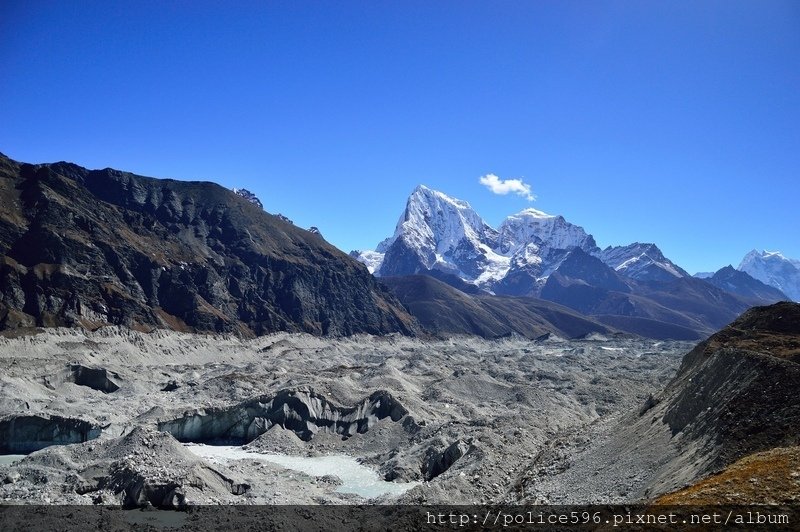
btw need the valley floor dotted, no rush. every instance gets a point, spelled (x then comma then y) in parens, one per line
(478, 421)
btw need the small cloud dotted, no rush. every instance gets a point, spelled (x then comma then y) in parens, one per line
(506, 186)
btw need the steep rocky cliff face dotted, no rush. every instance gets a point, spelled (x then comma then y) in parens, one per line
(85, 248)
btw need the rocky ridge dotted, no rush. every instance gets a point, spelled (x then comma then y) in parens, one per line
(742, 284)
(89, 248)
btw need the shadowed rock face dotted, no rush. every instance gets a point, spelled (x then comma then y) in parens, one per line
(29, 433)
(94, 378)
(742, 284)
(304, 412)
(739, 387)
(438, 463)
(88, 248)
(736, 393)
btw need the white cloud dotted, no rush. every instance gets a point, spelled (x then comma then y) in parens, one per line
(506, 186)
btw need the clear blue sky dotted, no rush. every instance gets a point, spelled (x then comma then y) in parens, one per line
(671, 122)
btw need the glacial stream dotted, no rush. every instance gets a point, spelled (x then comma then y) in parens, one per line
(356, 478)
(8, 459)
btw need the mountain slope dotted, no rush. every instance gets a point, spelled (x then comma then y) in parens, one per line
(775, 270)
(737, 390)
(443, 309)
(81, 247)
(734, 395)
(763, 478)
(585, 283)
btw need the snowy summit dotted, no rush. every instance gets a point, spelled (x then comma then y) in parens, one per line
(438, 232)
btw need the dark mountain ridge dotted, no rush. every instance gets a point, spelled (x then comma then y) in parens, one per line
(735, 394)
(586, 284)
(442, 308)
(746, 286)
(94, 247)
(737, 389)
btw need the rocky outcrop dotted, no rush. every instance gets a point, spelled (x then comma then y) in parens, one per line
(89, 248)
(439, 462)
(29, 433)
(137, 483)
(304, 412)
(249, 196)
(142, 468)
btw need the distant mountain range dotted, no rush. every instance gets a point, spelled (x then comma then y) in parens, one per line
(90, 248)
(437, 232)
(770, 268)
(446, 305)
(534, 254)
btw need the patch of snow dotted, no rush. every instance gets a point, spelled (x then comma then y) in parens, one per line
(496, 268)
(371, 259)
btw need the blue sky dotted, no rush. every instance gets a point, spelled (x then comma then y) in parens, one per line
(671, 122)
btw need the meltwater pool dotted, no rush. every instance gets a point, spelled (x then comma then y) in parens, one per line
(356, 478)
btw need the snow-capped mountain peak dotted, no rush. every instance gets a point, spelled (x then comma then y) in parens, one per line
(755, 255)
(774, 269)
(440, 220)
(436, 231)
(434, 220)
(644, 262)
(545, 230)
(439, 232)
(371, 259)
